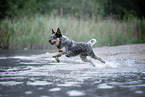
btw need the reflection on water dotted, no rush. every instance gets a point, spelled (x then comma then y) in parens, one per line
(36, 75)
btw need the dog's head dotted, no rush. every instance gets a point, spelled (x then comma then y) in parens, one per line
(55, 37)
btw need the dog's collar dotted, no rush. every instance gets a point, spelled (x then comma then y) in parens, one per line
(59, 46)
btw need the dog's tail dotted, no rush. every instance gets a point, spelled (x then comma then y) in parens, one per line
(92, 42)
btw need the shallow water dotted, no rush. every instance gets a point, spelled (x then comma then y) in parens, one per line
(36, 74)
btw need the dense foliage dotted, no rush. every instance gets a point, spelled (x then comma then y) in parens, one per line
(19, 8)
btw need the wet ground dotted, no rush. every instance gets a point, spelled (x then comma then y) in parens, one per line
(33, 73)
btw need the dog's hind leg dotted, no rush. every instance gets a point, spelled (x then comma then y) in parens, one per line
(84, 58)
(98, 58)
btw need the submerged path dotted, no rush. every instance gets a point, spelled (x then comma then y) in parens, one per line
(34, 73)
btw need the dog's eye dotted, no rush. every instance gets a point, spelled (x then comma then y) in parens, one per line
(54, 37)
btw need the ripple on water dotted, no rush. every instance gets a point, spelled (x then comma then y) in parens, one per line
(69, 84)
(130, 84)
(28, 92)
(10, 83)
(104, 86)
(39, 83)
(40, 88)
(44, 96)
(54, 89)
(138, 92)
(75, 93)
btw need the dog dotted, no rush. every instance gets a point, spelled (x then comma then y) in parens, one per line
(72, 48)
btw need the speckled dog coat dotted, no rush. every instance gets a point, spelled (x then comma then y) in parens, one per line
(73, 48)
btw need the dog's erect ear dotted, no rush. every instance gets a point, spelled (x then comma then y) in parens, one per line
(53, 31)
(59, 32)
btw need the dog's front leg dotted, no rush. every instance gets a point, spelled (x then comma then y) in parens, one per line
(61, 50)
(58, 55)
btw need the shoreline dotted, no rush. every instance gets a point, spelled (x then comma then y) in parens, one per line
(133, 52)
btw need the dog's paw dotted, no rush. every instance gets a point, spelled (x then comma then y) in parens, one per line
(57, 60)
(60, 50)
(102, 61)
(67, 55)
(53, 56)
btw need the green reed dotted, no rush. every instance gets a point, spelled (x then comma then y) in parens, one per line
(34, 32)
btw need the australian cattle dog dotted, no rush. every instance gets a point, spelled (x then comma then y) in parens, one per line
(72, 48)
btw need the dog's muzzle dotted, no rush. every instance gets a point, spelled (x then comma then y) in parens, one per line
(52, 43)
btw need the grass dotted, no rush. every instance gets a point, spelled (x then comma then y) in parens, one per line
(34, 32)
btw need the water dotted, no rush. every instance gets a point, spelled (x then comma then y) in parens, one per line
(33, 73)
